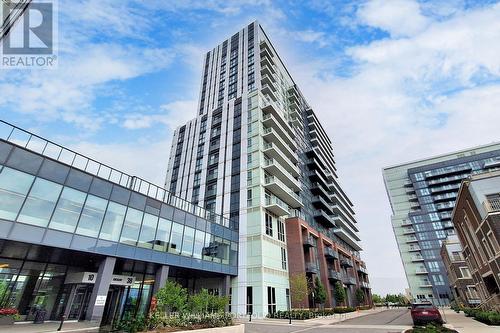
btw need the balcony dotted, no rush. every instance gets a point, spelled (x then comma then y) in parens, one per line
(274, 168)
(273, 151)
(365, 285)
(270, 120)
(414, 248)
(411, 239)
(421, 271)
(363, 270)
(492, 205)
(445, 205)
(269, 89)
(406, 223)
(269, 79)
(408, 231)
(447, 171)
(319, 202)
(445, 180)
(334, 275)
(276, 206)
(346, 263)
(318, 189)
(425, 284)
(278, 188)
(445, 188)
(330, 253)
(267, 70)
(312, 268)
(265, 49)
(323, 217)
(349, 237)
(271, 135)
(266, 61)
(417, 258)
(349, 280)
(309, 242)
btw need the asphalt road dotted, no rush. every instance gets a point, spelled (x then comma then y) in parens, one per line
(387, 321)
(387, 317)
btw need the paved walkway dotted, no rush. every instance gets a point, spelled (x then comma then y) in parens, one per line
(49, 327)
(463, 324)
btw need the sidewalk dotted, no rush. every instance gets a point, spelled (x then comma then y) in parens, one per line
(463, 324)
(50, 327)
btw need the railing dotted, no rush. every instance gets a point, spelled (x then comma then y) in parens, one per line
(346, 262)
(331, 253)
(273, 179)
(312, 268)
(334, 275)
(274, 200)
(492, 204)
(39, 145)
(309, 241)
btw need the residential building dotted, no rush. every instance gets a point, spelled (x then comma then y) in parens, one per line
(422, 196)
(462, 288)
(83, 239)
(257, 154)
(476, 218)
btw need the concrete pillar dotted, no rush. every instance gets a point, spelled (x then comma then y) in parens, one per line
(97, 300)
(226, 284)
(161, 277)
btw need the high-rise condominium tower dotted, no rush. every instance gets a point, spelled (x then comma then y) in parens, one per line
(257, 154)
(422, 196)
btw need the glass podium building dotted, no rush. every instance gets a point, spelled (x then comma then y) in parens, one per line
(85, 240)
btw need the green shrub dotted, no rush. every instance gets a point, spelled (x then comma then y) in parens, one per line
(203, 302)
(487, 317)
(131, 324)
(431, 328)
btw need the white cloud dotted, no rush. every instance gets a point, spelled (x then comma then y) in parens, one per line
(433, 92)
(398, 17)
(174, 114)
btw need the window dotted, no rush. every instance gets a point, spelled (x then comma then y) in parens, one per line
(92, 216)
(281, 230)
(40, 203)
(131, 227)
(148, 231)
(493, 242)
(68, 210)
(199, 242)
(249, 300)
(269, 224)
(465, 272)
(188, 242)
(271, 300)
(162, 235)
(438, 280)
(283, 258)
(176, 238)
(113, 221)
(14, 185)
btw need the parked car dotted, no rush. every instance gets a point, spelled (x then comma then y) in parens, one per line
(423, 313)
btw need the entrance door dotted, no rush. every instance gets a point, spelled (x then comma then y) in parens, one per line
(78, 307)
(112, 307)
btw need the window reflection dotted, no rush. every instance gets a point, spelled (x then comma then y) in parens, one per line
(68, 210)
(199, 242)
(162, 235)
(92, 215)
(188, 242)
(148, 230)
(113, 220)
(40, 203)
(131, 227)
(14, 186)
(176, 238)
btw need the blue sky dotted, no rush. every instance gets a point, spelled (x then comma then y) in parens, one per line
(392, 80)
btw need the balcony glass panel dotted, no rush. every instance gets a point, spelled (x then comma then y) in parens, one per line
(188, 242)
(40, 203)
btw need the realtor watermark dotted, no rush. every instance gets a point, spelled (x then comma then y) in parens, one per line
(30, 31)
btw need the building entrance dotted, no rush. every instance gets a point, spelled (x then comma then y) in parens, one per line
(114, 302)
(80, 301)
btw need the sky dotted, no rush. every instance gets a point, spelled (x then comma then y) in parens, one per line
(391, 80)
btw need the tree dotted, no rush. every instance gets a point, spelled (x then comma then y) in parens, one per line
(360, 296)
(319, 292)
(377, 299)
(339, 293)
(298, 288)
(172, 297)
